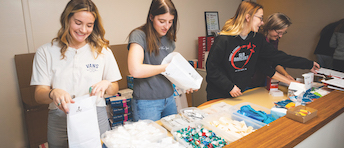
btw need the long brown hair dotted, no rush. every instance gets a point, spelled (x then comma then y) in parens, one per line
(95, 39)
(235, 25)
(158, 7)
(276, 21)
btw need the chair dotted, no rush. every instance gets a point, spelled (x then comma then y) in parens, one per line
(36, 115)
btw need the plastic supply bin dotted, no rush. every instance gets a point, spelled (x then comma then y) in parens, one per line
(228, 135)
(218, 133)
(173, 121)
(237, 107)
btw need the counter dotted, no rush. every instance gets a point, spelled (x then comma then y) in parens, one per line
(285, 132)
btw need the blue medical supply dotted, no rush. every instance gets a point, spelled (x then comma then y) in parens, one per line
(261, 116)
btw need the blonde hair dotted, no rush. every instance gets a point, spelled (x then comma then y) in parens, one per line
(95, 39)
(235, 25)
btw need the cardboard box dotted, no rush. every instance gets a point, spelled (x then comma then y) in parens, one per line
(293, 114)
(120, 102)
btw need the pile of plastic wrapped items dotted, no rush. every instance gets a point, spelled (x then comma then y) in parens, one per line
(144, 133)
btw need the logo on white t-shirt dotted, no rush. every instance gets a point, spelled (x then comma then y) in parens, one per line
(92, 67)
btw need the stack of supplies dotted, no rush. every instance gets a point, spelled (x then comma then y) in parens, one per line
(301, 96)
(332, 79)
(119, 107)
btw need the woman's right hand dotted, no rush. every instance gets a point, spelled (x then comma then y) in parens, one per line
(235, 92)
(315, 67)
(61, 98)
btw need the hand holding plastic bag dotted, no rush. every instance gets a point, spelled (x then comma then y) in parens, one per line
(181, 73)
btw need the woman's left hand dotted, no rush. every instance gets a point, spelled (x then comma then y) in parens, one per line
(100, 87)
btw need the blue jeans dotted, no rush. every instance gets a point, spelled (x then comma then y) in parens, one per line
(153, 109)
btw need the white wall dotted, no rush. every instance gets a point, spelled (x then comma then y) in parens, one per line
(27, 24)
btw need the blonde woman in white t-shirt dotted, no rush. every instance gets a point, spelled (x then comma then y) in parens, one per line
(77, 59)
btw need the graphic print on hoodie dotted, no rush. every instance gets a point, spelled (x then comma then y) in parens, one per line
(240, 56)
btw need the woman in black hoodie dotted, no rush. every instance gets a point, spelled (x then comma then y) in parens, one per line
(234, 56)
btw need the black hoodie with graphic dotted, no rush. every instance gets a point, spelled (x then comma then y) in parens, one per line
(233, 60)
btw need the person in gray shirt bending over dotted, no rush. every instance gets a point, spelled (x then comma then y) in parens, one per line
(148, 45)
(337, 42)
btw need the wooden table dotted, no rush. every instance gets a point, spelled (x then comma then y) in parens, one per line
(259, 96)
(285, 132)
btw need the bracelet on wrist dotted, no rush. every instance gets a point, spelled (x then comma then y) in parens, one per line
(50, 93)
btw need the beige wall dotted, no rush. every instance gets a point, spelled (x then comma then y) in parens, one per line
(13, 41)
(27, 24)
(308, 18)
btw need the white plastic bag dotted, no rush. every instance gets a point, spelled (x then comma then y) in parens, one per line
(82, 123)
(181, 73)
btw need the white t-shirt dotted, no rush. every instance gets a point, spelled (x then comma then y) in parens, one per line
(76, 73)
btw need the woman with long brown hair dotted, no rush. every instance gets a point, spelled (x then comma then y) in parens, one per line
(148, 45)
(77, 59)
(274, 28)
